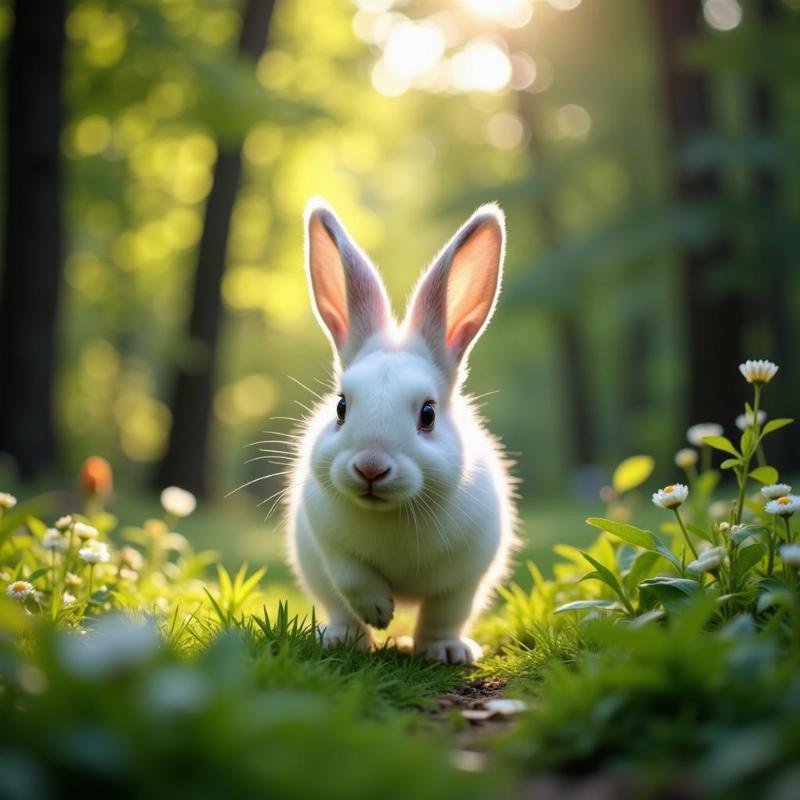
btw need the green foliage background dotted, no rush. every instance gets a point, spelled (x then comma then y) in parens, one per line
(154, 88)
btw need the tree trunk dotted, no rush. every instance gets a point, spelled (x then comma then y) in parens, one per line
(572, 352)
(186, 461)
(713, 319)
(775, 274)
(32, 271)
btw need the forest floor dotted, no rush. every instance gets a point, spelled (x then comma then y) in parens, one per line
(233, 679)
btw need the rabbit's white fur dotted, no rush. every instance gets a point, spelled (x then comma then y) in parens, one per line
(436, 530)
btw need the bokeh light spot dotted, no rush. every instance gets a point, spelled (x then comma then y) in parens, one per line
(573, 121)
(722, 15)
(481, 66)
(505, 130)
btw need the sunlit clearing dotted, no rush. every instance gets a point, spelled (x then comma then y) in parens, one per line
(481, 66)
(723, 15)
(511, 13)
(573, 121)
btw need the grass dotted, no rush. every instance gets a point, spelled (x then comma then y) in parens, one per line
(677, 678)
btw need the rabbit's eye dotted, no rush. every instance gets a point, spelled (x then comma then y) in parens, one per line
(341, 410)
(427, 416)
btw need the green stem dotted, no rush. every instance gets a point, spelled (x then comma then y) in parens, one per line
(685, 532)
(788, 530)
(67, 554)
(705, 458)
(746, 457)
(771, 559)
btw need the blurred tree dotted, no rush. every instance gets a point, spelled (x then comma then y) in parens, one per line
(565, 320)
(713, 316)
(33, 238)
(773, 312)
(185, 462)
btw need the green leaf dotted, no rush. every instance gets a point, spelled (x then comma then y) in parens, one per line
(635, 536)
(776, 425)
(628, 533)
(36, 526)
(765, 475)
(722, 443)
(632, 472)
(729, 463)
(744, 532)
(747, 440)
(643, 566)
(673, 593)
(606, 576)
(779, 597)
(699, 532)
(580, 605)
(748, 557)
(38, 574)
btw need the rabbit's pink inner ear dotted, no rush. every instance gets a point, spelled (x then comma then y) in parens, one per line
(472, 285)
(328, 280)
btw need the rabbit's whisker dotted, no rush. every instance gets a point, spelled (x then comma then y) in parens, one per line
(256, 480)
(303, 386)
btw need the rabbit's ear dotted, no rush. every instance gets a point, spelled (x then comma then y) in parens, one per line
(455, 297)
(349, 297)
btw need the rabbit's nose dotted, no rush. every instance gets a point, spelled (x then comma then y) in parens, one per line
(372, 472)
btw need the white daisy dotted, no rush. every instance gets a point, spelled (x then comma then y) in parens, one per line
(758, 372)
(790, 553)
(19, 590)
(744, 421)
(178, 502)
(131, 557)
(783, 506)
(95, 553)
(71, 579)
(776, 490)
(685, 458)
(54, 540)
(64, 523)
(709, 560)
(126, 574)
(698, 433)
(68, 599)
(671, 496)
(83, 531)
(7, 500)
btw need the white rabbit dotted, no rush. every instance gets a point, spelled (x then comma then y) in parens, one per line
(398, 493)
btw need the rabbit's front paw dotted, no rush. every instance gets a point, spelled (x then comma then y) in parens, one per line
(376, 610)
(337, 632)
(450, 651)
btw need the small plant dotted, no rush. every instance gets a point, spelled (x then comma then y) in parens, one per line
(84, 565)
(732, 559)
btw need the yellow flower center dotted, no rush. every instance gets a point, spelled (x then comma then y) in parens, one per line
(669, 489)
(784, 501)
(19, 586)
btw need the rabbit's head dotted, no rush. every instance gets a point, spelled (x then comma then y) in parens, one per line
(393, 433)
